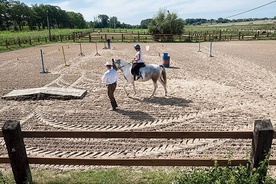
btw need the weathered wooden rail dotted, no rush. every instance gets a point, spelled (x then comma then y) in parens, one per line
(262, 137)
(139, 37)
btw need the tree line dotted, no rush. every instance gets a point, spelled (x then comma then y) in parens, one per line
(16, 15)
(199, 21)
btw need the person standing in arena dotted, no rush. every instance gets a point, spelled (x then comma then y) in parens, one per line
(110, 78)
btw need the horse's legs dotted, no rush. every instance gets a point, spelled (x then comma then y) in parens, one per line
(164, 86)
(125, 85)
(134, 89)
(155, 87)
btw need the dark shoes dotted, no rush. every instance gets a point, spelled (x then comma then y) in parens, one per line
(114, 105)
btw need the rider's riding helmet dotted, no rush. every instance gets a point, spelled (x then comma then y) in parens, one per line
(137, 46)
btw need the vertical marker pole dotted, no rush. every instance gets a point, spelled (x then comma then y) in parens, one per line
(211, 45)
(81, 54)
(64, 59)
(41, 54)
(199, 47)
(97, 54)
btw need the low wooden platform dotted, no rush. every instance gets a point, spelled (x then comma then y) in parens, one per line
(46, 92)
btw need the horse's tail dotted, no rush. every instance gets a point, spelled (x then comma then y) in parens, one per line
(164, 75)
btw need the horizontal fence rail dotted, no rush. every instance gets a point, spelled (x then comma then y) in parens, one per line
(187, 36)
(137, 134)
(261, 136)
(132, 162)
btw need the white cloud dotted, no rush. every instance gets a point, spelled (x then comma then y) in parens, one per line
(133, 12)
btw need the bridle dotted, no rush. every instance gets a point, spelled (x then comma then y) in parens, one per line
(119, 65)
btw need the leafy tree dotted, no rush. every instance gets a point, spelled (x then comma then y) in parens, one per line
(114, 20)
(222, 20)
(76, 20)
(144, 23)
(103, 20)
(3, 13)
(19, 13)
(166, 23)
(40, 16)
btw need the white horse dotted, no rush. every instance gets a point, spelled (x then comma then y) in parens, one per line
(150, 71)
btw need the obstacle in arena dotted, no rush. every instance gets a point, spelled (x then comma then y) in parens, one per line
(97, 54)
(46, 93)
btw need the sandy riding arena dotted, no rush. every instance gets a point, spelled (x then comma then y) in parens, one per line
(226, 92)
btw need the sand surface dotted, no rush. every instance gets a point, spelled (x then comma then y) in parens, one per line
(226, 92)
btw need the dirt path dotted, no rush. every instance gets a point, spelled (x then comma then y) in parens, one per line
(225, 92)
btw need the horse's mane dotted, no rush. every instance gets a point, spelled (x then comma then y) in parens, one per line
(130, 63)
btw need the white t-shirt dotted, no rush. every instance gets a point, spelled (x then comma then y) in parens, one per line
(110, 76)
(141, 60)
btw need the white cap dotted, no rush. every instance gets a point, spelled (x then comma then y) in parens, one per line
(108, 63)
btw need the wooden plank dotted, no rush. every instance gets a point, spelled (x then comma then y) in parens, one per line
(72, 92)
(137, 134)
(137, 162)
(4, 160)
(185, 162)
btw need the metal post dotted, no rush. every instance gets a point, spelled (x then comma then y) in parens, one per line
(42, 61)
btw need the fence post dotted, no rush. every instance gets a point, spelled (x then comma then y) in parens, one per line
(17, 152)
(261, 143)
(19, 42)
(7, 44)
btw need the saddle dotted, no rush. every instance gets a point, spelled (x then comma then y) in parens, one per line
(135, 70)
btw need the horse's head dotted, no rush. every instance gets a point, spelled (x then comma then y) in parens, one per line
(116, 64)
(119, 64)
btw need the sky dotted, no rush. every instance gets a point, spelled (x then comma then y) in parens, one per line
(133, 12)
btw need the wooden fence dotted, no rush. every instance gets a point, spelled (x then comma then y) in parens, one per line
(139, 37)
(262, 137)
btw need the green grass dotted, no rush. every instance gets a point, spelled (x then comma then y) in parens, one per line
(228, 31)
(196, 175)
(230, 27)
(42, 33)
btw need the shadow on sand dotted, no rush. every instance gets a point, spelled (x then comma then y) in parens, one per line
(136, 115)
(165, 101)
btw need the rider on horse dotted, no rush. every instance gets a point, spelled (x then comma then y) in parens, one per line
(138, 62)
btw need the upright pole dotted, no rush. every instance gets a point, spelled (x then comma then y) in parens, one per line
(211, 45)
(17, 152)
(81, 54)
(198, 46)
(64, 59)
(97, 54)
(42, 61)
